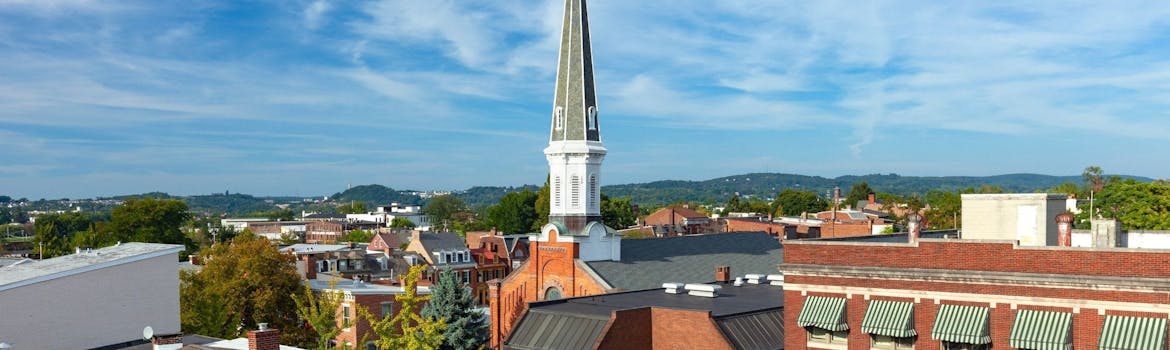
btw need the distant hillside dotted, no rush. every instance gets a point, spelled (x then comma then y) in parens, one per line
(374, 195)
(767, 185)
(480, 196)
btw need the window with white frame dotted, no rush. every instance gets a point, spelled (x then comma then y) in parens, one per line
(345, 316)
(888, 342)
(825, 336)
(387, 308)
(559, 118)
(592, 118)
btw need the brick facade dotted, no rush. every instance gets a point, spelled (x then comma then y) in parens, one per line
(752, 224)
(550, 265)
(1001, 276)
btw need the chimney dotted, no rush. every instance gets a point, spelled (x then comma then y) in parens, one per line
(166, 341)
(264, 338)
(723, 274)
(310, 266)
(872, 198)
(913, 227)
(1064, 229)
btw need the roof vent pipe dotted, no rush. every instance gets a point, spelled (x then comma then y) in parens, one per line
(703, 290)
(754, 278)
(672, 288)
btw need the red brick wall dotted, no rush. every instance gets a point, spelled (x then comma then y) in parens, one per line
(830, 230)
(686, 329)
(753, 225)
(550, 264)
(627, 330)
(984, 256)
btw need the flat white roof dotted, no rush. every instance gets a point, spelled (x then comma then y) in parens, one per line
(355, 287)
(301, 248)
(1011, 196)
(44, 270)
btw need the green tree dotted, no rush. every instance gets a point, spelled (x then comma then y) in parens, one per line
(515, 213)
(441, 210)
(453, 302)
(401, 223)
(151, 220)
(242, 284)
(319, 311)
(1138, 205)
(618, 213)
(352, 208)
(48, 242)
(793, 202)
(541, 206)
(860, 191)
(945, 209)
(358, 236)
(406, 329)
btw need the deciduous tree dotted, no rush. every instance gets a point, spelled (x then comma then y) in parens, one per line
(618, 213)
(793, 202)
(441, 210)
(515, 213)
(407, 329)
(542, 207)
(319, 310)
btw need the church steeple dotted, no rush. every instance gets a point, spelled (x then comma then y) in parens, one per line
(574, 149)
(575, 104)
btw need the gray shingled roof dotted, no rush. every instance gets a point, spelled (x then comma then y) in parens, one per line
(647, 263)
(437, 241)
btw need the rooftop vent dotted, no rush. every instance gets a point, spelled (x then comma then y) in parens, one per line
(703, 290)
(738, 281)
(672, 288)
(776, 280)
(754, 278)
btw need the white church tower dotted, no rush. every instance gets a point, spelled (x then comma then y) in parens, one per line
(574, 149)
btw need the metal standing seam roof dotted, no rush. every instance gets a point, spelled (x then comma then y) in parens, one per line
(1133, 333)
(823, 312)
(559, 331)
(754, 331)
(1041, 330)
(889, 318)
(962, 324)
(647, 263)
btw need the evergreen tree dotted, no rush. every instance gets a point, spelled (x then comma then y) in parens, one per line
(451, 301)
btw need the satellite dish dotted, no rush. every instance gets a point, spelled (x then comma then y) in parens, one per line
(147, 333)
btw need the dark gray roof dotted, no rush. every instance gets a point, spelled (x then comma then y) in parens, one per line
(437, 241)
(890, 238)
(647, 263)
(762, 330)
(540, 329)
(750, 316)
(575, 96)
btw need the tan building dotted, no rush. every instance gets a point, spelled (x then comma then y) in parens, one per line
(1026, 217)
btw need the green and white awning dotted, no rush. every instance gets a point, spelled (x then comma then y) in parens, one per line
(1133, 333)
(962, 324)
(889, 318)
(1041, 330)
(823, 312)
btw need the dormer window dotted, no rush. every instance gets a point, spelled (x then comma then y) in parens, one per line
(559, 118)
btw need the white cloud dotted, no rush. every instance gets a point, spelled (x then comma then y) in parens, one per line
(314, 14)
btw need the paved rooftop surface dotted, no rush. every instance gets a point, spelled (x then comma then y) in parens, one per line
(731, 300)
(648, 263)
(15, 275)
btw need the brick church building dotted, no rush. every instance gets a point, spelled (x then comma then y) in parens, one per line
(575, 254)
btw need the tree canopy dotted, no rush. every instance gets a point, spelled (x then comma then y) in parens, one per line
(859, 191)
(793, 202)
(515, 213)
(406, 329)
(442, 209)
(618, 213)
(242, 284)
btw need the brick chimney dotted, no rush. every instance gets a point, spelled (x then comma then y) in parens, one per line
(264, 338)
(310, 266)
(913, 227)
(723, 274)
(1064, 226)
(872, 198)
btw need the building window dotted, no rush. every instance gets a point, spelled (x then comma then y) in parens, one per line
(559, 118)
(371, 346)
(594, 193)
(888, 342)
(825, 336)
(552, 293)
(556, 191)
(592, 118)
(946, 345)
(387, 309)
(345, 316)
(575, 191)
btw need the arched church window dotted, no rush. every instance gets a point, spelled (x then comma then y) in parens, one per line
(559, 118)
(592, 118)
(575, 194)
(552, 293)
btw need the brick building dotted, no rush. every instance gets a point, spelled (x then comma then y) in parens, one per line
(753, 224)
(495, 256)
(377, 299)
(900, 292)
(671, 221)
(748, 316)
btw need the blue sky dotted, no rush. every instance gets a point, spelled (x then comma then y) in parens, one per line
(306, 97)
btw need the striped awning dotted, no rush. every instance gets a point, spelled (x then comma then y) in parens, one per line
(1041, 330)
(1133, 333)
(823, 312)
(962, 324)
(889, 318)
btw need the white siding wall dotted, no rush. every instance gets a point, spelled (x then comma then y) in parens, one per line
(96, 308)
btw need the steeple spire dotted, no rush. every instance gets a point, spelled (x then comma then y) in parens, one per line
(574, 149)
(574, 114)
